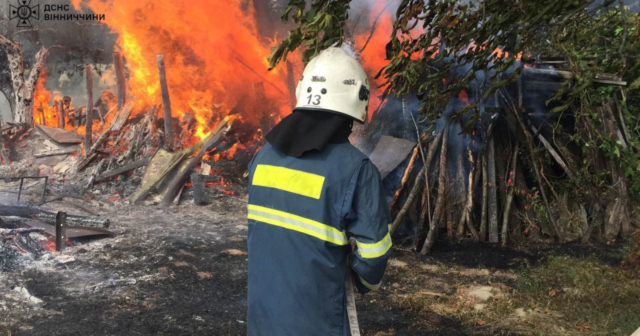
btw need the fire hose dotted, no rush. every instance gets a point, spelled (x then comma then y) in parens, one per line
(352, 314)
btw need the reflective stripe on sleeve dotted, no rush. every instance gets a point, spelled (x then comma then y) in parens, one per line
(290, 180)
(374, 250)
(297, 223)
(368, 285)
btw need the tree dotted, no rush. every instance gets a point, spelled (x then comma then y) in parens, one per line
(23, 88)
(594, 41)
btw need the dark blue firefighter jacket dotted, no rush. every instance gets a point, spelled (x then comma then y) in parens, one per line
(302, 213)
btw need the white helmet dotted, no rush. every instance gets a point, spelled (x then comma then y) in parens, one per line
(334, 82)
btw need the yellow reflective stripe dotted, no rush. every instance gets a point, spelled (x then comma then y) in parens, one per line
(290, 180)
(375, 250)
(297, 223)
(368, 285)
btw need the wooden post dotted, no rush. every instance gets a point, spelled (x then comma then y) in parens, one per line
(42, 117)
(291, 83)
(61, 114)
(88, 115)
(493, 197)
(61, 231)
(166, 101)
(120, 81)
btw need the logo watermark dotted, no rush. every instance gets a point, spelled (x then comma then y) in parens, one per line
(24, 12)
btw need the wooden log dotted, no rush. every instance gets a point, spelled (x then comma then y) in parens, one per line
(61, 114)
(425, 212)
(448, 217)
(166, 102)
(89, 110)
(120, 80)
(509, 200)
(121, 170)
(417, 184)
(178, 181)
(465, 218)
(485, 193)
(434, 223)
(405, 178)
(493, 197)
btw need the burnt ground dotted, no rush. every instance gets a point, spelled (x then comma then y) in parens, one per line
(182, 271)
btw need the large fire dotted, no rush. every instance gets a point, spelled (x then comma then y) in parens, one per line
(214, 55)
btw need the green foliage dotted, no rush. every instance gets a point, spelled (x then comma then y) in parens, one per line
(433, 39)
(318, 28)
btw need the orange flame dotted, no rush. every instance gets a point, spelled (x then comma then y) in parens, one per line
(212, 51)
(373, 56)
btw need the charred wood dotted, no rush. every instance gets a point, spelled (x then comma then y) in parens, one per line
(95, 172)
(120, 80)
(118, 171)
(89, 110)
(178, 181)
(50, 217)
(166, 102)
(61, 114)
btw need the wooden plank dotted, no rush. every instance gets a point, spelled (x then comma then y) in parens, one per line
(56, 152)
(122, 118)
(59, 135)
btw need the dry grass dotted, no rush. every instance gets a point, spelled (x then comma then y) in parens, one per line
(564, 295)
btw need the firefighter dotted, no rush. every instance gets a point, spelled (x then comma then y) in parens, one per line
(315, 206)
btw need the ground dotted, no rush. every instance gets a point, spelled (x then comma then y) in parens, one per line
(182, 271)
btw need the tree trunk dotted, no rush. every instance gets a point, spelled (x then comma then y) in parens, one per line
(491, 184)
(507, 205)
(23, 89)
(434, 223)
